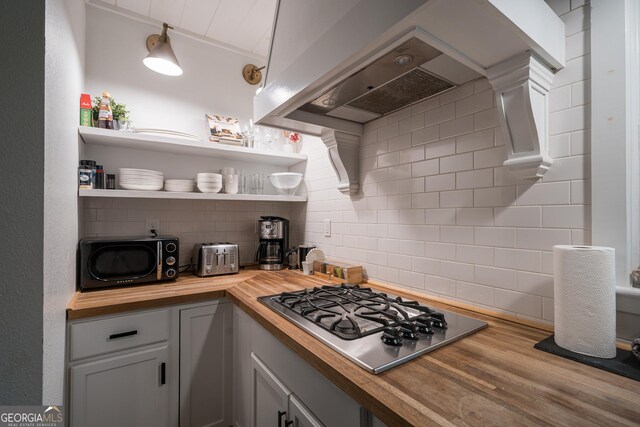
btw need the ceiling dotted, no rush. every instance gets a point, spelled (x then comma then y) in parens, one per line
(242, 25)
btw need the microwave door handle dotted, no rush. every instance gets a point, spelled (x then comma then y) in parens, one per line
(159, 262)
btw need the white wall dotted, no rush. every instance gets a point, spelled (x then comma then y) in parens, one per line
(212, 81)
(64, 76)
(438, 213)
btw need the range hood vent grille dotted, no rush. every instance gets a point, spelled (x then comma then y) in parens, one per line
(411, 87)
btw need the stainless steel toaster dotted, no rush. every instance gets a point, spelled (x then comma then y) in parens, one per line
(212, 259)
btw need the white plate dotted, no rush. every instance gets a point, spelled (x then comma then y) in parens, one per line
(141, 187)
(139, 171)
(315, 255)
(169, 132)
(179, 181)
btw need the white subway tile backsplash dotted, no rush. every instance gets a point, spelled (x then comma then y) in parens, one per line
(542, 239)
(456, 199)
(440, 182)
(425, 135)
(474, 293)
(518, 259)
(489, 158)
(440, 216)
(460, 162)
(425, 200)
(573, 216)
(560, 145)
(456, 127)
(409, 278)
(572, 119)
(411, 123)
(401, 262)
(474, 254)
(485, 119)
(475, 141)
(388, 131)
(581, 192)
(456, 271)
(496, 277)
(426, 167)
(553, 193)
(440, 285)
(494, 196)
(521, 303)
(560, 99)
(474, 216)
(537, 284)
(441, 251)
(440, 114)
(399, 201)
(474, 179)
(441, 148)
(457, 93)
(456, 234)
(422, 106)
(495, 236)
(400, 142)
(569, 168)
(580, 143)
(514, 216)
(474, 103)
(425, 265)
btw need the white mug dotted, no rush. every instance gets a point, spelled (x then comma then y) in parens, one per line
(230, 184)
(307, 267)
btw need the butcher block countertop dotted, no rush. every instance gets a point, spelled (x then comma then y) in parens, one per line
(492, 377)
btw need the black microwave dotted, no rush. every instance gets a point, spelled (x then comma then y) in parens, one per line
(127, 261)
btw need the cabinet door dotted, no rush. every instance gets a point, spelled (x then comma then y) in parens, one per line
(301, 415)
(270, 396)
(206, 365)
(125, 390)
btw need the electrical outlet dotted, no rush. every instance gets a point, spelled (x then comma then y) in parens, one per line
(327, 228)
(152, 224)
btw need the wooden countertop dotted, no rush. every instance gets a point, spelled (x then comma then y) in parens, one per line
(492, 377)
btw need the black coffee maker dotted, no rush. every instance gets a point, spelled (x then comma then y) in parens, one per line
(274, 243)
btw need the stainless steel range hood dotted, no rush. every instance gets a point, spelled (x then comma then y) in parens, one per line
(367, 58)
(404, 76)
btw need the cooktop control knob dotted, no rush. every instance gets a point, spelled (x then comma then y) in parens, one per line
(438, 320)
(409, 330)
(424, 324)
(391, 336)
(170, 260)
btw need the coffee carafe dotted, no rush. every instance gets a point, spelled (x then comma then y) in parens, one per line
(274, 242)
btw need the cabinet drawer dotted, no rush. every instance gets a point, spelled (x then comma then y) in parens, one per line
(117, 333)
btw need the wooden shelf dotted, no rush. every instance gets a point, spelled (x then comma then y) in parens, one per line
(176, 145)
(135, 194)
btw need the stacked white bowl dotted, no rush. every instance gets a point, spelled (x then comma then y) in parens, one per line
(179, 185)
(209, 182)
(140, 179)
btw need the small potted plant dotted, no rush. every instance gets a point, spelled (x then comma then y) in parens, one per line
(120, 112)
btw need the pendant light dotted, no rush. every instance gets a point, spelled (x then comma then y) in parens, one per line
(161, 58)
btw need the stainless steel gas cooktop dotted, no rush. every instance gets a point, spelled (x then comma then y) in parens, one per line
(375, 330)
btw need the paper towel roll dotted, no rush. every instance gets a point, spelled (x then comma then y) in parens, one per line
(585, 299)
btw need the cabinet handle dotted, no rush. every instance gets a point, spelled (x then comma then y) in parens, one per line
(123, 334)
(280, 415)
(163, 373)
(288, 423)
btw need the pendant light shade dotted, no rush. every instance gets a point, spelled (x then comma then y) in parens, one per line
(161, 58)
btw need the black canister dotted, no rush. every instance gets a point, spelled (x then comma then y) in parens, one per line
(303, 250)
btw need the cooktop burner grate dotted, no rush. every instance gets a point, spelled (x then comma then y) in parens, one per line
(351, 311)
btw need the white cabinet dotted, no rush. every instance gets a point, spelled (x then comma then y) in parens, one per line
(125, 390)
(274, 403)
(270, 378)
(205, 360)
(300, 415)
(270, 396)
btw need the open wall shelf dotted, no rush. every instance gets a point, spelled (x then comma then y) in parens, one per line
(135, 194)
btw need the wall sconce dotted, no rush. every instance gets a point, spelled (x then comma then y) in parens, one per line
(252, 74)
(161, 58)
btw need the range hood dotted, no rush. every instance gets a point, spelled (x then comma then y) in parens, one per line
(368, 58)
